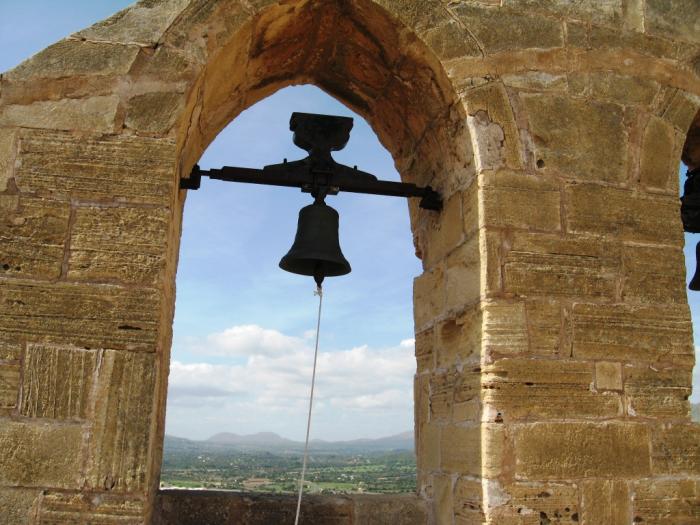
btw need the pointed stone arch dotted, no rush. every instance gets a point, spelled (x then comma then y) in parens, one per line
(553, 340)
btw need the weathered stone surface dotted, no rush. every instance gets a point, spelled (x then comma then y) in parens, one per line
(40, 455)
(124, 244)
(459, 339)
(538, 388)
(446, 233)
(659, 162)
(121, 430)
(656, 391)
(653, 274)
(95, 114)
(95, 315)
(673, 18)
(623, 89)
(460, 449)
(679, 108)
(73, 57)
(536, 503)
(505, 29)
(495, 137)
(9, 385)
(601, 210)
(32, 239)
(579, 450)
(58, 381)
(635, 333)
(666, 501)
(428, 296)
(16, 505)
(676, 449)
(183, 507)
(589, 144)
(508, 201)
(84, 507)
(467, 501)
(608, 376)
(153, 112)
(548, 265)
(143, 23)
(425, 351)
(463, 275)
(605, 501)
(8, 144)
(113, 169)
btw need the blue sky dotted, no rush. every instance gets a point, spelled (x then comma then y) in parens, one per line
(243, 328)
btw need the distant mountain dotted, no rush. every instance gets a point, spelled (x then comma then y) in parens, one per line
(271, 442)
(261, 439)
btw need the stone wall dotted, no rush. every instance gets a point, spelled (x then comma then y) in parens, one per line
(553, 338)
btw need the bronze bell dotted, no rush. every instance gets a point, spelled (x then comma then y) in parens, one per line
(316, 248)
(695, 281)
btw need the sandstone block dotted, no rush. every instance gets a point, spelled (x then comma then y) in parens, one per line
(505, 328)
(428, 297)
(536, 503)
(120, 438)
(578, 450)
(84, 507)
(460, 448)
(536, 81)
(448, 40)
(679, 108)
(463, 275)
(95, 114)
(428, 448)
(58, 382)
(508, 28)
(605, 501)
(442, 387)
(16, 505)
(33, 238)
(538, 388)
(123, 244)
(72, 57)
(154, 112)
(623, 89)
(459, 339)
(121, 169)
(447, 233)
(608, 376)
(495, 136)
(676, 449)
(551, 266)
(677, 19)
(589, 144)
(653, 274)
(443, 498)
(659, 160)
(666, 501)
(425, 351)
(143, 23)
(8, 143)
(656, 391)
(513, 200)
(40, 455)
(600, 210)
(9, 385)
(631, 333)
(98, 316)
(468, 498)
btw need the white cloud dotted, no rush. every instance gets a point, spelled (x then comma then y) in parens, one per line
(276, 377)
(247, 340)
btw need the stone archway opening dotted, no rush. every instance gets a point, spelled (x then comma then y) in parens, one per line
(240, 354)
(357, 53)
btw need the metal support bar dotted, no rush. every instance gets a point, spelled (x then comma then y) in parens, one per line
(333, 179)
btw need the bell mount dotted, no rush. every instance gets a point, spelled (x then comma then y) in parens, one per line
(318, 174)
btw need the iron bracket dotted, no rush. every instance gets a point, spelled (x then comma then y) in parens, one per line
(317, 174)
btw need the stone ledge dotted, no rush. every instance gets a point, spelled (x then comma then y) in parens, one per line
(197, 507)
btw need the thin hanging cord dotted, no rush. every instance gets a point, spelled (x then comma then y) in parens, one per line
(318, 292)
